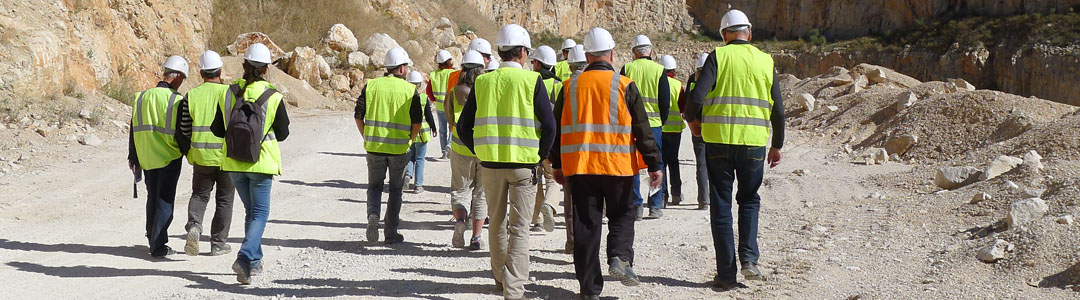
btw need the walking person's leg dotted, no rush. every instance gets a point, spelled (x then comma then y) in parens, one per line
(461, 188)
(260, 212)
(396, 165)
(167, 178)
(750, 169)
(521, 193)
(223, 213)
(588, 207)
(479, 205)
(721, 177)
(377, 167)
(202, 183)
(656, 201)
(568, 218)
(444, 134)
(419, 159)
(242, 264)
(496, 189)
(704, 189)
(620, 240)
(672, 176)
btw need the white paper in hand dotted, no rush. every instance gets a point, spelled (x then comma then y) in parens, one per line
(653, 190)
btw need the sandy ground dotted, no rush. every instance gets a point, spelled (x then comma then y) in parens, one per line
(73, 231)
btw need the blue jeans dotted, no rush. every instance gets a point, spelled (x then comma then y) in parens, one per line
(655, 201)
(254, 190)
(444, 131)
(415, 169)
(378, 166)
(727, 164)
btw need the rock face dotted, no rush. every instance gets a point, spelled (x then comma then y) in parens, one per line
(340, 39)
(247, 39)
(576, 17)
(956, 177)
(846, 19)
(1000, 165)
(376, 47)
(1024, 211)
(304, 65)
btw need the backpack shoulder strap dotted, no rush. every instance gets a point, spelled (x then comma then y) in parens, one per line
(265, 97)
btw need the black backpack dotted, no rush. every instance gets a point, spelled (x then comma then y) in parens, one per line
(244, 132)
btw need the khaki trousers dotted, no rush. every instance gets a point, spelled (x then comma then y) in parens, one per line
(513, 191)
(547, 192)
(465, 186)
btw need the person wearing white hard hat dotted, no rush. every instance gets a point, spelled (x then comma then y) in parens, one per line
(604, 139)
(672, 133)
(543, 61)
(252, 156)
(483, 47)
(205, 159)
(507, 122)
(733, 106)
(388, 115)
(466, 191)
(700, 168)
(653, 85)
(156, 145)
(438, 83)
(414, 171)
(577, 60)
(562, 69)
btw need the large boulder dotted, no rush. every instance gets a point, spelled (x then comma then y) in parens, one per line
(376, 47)
(340, 83)
(340, 39)
(806, 101)
(877, 75)
(304, 65)
(901, 144)
(1024, 211)
(1001, 165)
(359, 59)
(243, 41)
(956, 177)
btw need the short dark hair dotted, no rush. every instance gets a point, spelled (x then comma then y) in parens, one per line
(512, 54)
(215, 73)
(395, 68)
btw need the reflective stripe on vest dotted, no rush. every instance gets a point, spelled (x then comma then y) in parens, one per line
(674, 120)
(203, 102)
(506, 129)
(387, 121)
(598, 140)
(269, 153)
(439, 80)
(425, 129)
(455, 142)
(647, 74)
(152, 132)
(738, 109)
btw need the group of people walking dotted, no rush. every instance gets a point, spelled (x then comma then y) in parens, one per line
(514, 132)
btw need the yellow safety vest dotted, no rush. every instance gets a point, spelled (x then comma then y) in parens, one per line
(506, 128)
(387, 121)
(674, 120)
(562, 70)
(439, 80)
(737, 110)
(153, 123)
(647, 74)
(203, 103)
(425, 129)
(455, 141)
(269, 153)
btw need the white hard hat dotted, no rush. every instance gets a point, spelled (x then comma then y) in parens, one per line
(546, 55)
(492, 66)
(701, 60)
(641, 40)
(472, 59)
(568, 44)
(442, 56)
(577, 55)
(734, 18)
(415, 77)
(598, 39)
(176, 64)
(480, 45)
(396, 57)
(513, 35)
(668, 62)
(210, 60)
(259, 54)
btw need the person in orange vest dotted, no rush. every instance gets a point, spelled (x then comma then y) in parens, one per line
(603, 139)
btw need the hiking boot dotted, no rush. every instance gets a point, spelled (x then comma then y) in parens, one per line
(676, 199)
(394, 238)
(373, 228)
(536, 228)
(655, 213)
(220, 250)
(256, 269)
(548, 213)
(192, 246)
(640, 213)
(623, 272)
(569, 247)
(588, 297)
(459, 234)
(419, 189)
(750, 271)
(726, 285)
(243, 272)
(165, 253)
(474, 244)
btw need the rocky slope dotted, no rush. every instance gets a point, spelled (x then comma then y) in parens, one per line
(787, 19)
(572, 18)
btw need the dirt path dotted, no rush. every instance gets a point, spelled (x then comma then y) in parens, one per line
(73, 231)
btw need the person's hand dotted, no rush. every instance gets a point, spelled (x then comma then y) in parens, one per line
(434, 133)
(558, 175)
(774, 157)
(131, 166)
(695, 128)
(656, 178)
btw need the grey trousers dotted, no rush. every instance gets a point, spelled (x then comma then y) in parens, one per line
(203, 180)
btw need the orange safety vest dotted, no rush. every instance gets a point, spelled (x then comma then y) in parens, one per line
(596, 127)
(452, 81)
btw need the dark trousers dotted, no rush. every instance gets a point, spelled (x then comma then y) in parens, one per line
(160, 196)
(590, 193)
(671, 143)
(203, 180)
(704, 189)
(378, 167)
(727, 164)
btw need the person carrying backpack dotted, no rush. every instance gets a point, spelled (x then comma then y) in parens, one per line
(252, 119)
